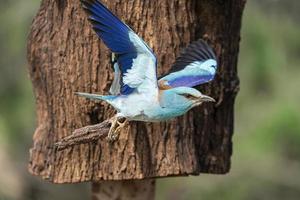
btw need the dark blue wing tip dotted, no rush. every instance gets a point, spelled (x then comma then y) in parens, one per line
(206, 49)
(125, 90)
(87, 3)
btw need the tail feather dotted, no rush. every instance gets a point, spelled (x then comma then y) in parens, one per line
(95, 96)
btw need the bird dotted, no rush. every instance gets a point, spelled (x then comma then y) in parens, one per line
(136, 93)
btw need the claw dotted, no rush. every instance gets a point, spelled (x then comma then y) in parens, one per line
(116, 126)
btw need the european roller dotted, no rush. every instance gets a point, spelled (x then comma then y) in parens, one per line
(136, 93)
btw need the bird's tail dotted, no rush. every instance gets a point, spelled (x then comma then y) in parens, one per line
(107, 98)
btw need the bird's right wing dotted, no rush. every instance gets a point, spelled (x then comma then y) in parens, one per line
(136, 61)
(196, 65)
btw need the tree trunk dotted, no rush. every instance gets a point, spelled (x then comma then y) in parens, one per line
(66, 56)
(124, 190)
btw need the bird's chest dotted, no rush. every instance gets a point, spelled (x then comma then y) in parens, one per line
(138, 104)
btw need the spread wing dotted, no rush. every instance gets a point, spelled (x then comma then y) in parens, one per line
(196, 65)
(135, 60)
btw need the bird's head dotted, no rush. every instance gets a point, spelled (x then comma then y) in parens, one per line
(185, 97)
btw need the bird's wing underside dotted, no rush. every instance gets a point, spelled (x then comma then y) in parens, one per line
(196, 65)
(136, 61)
(115, 87)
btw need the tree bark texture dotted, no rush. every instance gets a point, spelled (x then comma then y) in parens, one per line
(66, 56)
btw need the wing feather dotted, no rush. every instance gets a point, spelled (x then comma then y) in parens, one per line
(196, 65)
(129, 48)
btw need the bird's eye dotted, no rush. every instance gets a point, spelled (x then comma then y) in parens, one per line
(188, 96)
(214, 66)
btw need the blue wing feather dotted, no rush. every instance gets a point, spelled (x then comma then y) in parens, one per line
(195, 66)
(190, 81)
(116, 36)
(109, 28)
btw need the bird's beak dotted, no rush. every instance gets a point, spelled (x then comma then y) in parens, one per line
(205, 98)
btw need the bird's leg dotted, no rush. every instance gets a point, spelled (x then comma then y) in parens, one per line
(117, 123)
(121, 124)
(113, 122)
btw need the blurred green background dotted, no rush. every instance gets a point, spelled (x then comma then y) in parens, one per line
(266, 160)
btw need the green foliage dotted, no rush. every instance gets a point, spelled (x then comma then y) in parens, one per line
(16, 98)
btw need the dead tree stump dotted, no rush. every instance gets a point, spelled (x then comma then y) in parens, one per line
(66, 56)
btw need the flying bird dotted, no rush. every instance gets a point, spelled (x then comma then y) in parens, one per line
(136, 93)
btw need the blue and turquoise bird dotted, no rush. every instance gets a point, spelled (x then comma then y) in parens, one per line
(136, 93)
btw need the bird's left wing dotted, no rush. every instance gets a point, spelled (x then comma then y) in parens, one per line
(135, 59)
(196, 65)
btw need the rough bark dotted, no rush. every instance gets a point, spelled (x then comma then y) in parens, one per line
(66, 56)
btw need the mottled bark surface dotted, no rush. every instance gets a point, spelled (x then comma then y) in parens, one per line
(66, 56)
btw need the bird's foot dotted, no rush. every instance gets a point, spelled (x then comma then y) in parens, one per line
(117, 124)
